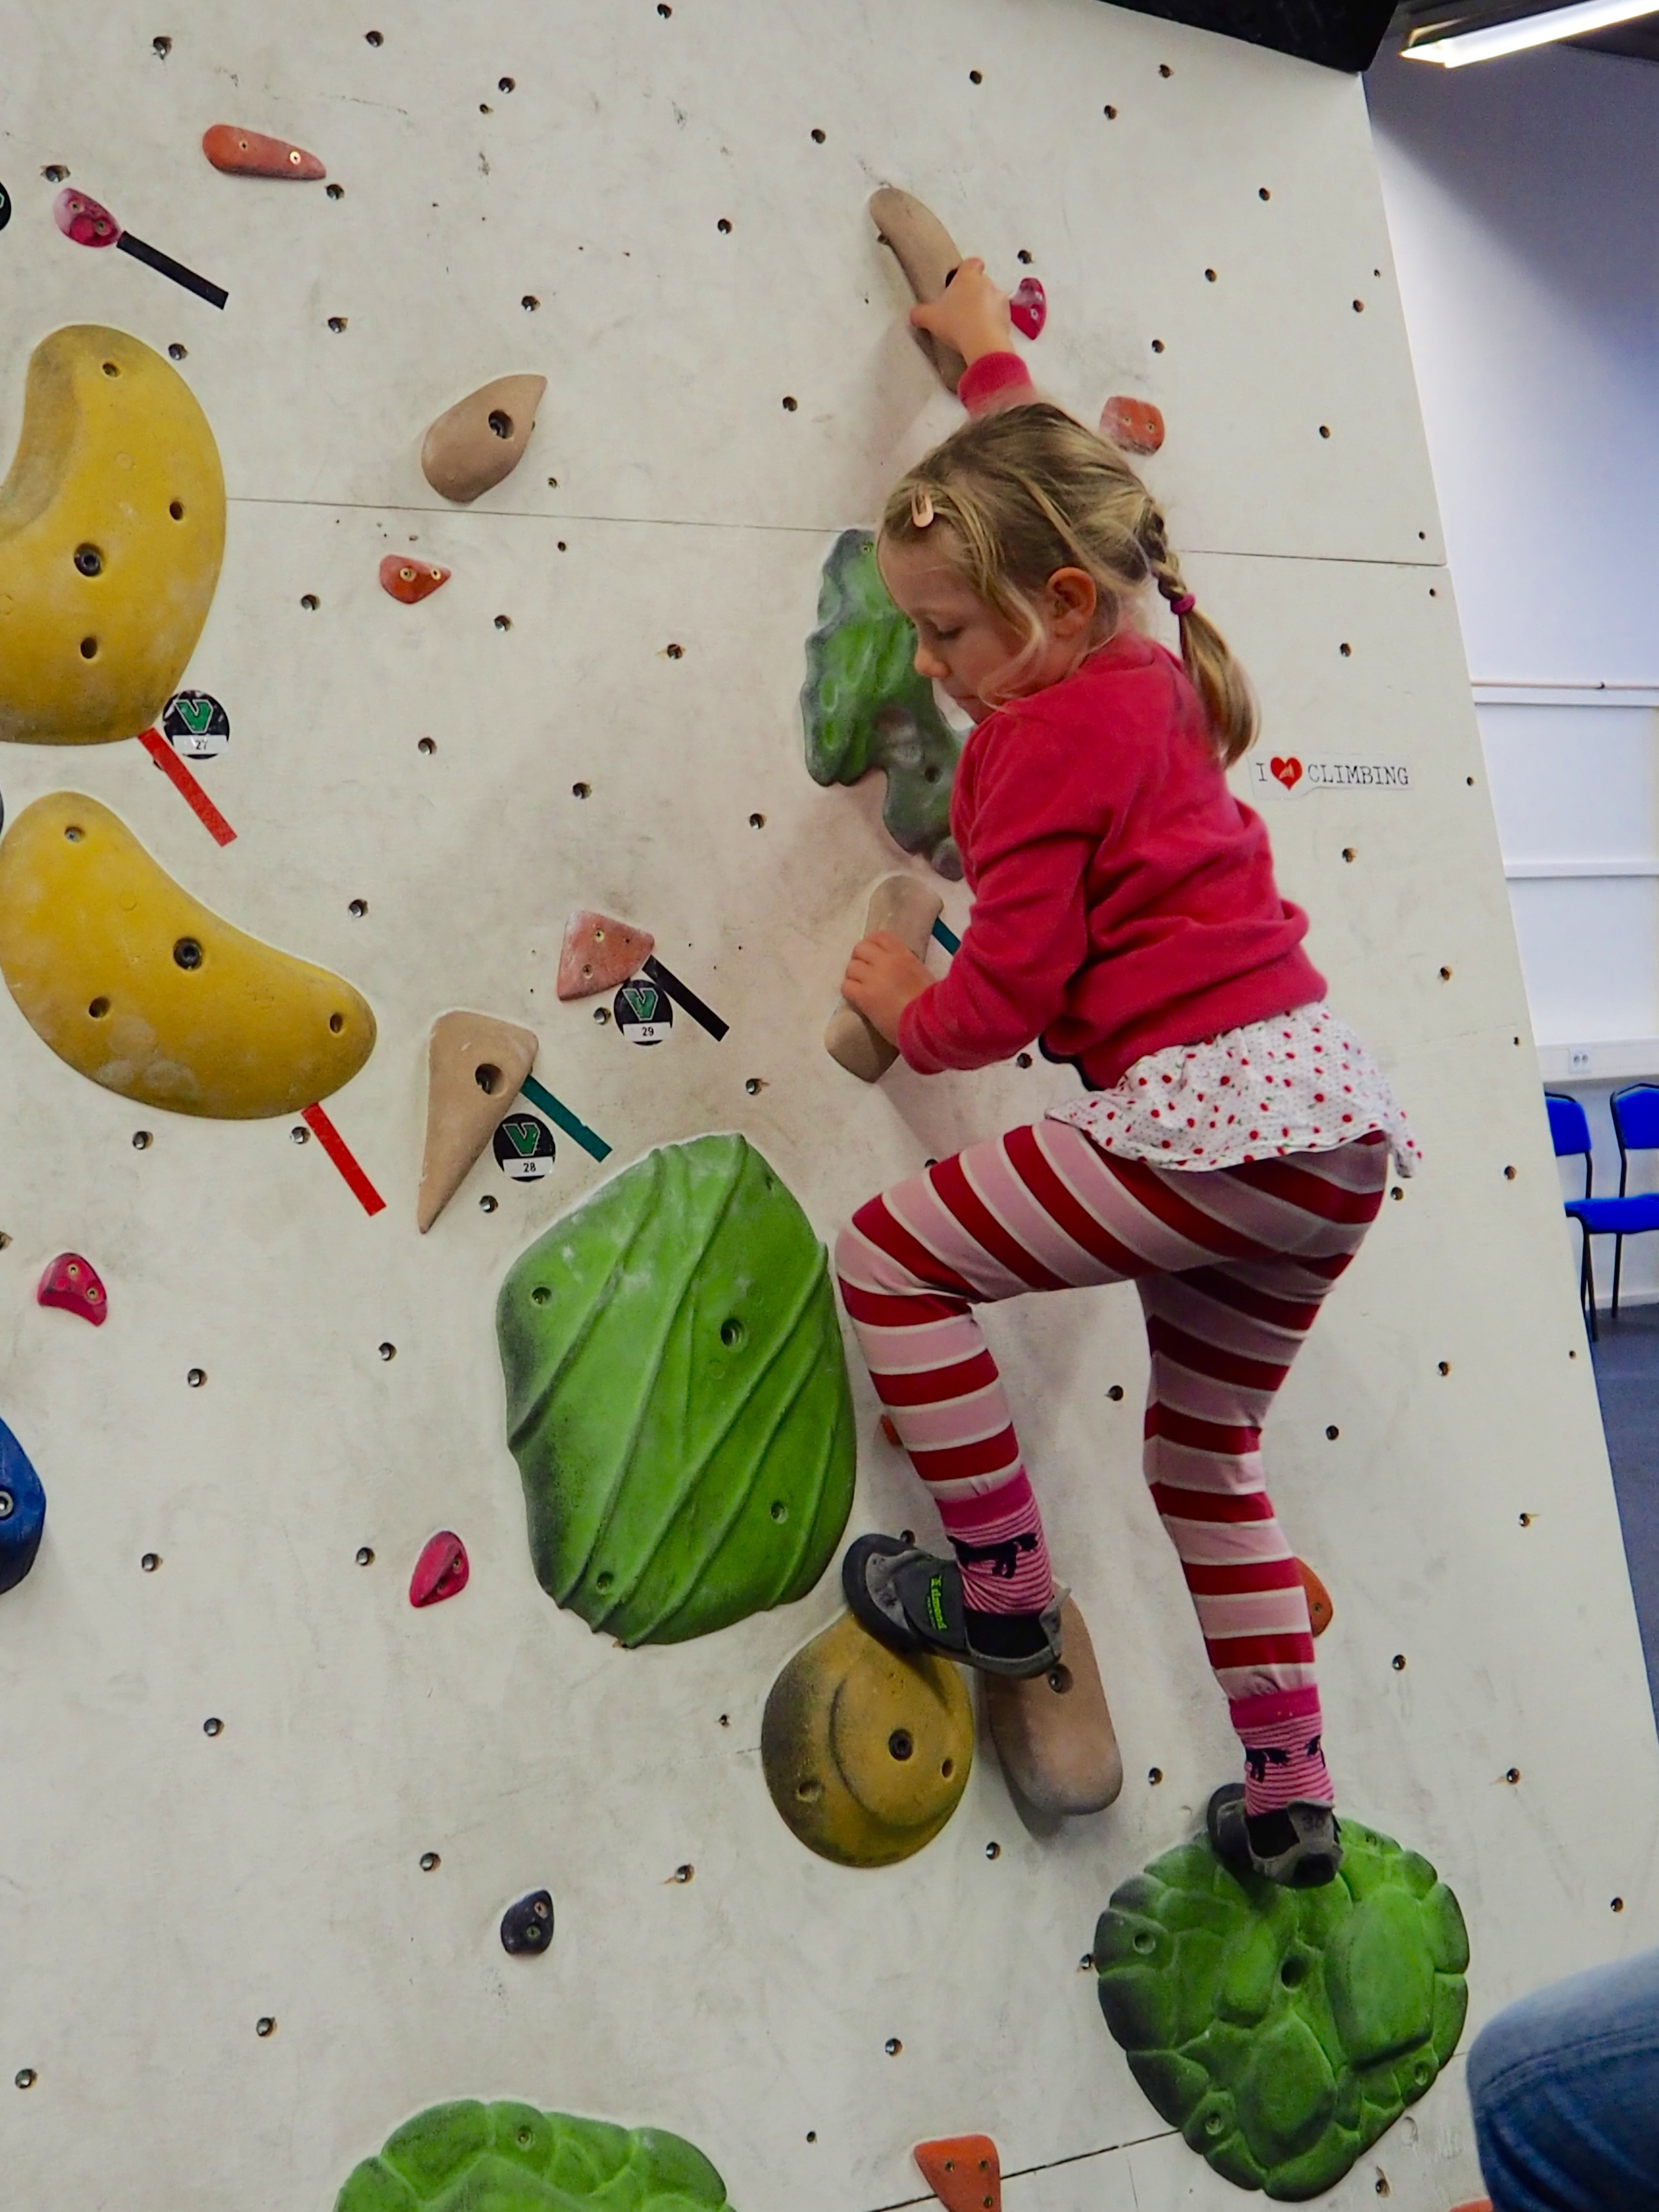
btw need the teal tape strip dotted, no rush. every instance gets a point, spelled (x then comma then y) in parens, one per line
(947, 936)
(538, 1095)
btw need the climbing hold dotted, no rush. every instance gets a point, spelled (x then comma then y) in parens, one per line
(906, 906)
(1133, 425)
(528, 1925)
(863, 706)
(482, 438)
(441, 1571)
(866, 1751)
(475, 1064)
(599, 953)
(72, 1283)
(85, 223)
(468, 2157)
(926, 253)
(139, 986)
(1321, 1611)
(410, 581)
(1053, 1732)
(1283, 2031)
(111, 530)
(962, 2171)
(250, 153)
(677, 1397)
(22, 1510)
(1028, 307)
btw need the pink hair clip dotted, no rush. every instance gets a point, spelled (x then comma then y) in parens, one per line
(921, 507)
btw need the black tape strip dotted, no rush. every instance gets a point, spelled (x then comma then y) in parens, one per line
(153, 258)
(686, 999)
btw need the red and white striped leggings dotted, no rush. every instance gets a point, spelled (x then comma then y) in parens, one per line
(1231, 1265)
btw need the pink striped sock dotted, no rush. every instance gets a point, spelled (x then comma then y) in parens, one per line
(1283, 1761)
(998, 1540)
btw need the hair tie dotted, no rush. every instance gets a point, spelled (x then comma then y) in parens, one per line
(921, 506)
(1184, 605)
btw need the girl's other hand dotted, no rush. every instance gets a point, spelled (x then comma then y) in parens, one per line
(971, 314)
(881, 978)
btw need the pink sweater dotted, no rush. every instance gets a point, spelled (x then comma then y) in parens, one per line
(1123, 899)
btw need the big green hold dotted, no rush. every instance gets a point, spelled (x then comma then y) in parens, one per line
(1283, 2031)
(677, 1397)
(863, 706)
(469, 2157)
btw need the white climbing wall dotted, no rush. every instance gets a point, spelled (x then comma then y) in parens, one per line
(1437, 1453)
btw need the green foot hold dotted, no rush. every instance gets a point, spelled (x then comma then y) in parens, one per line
(1283, 2031)
(677, 1397)
(864, 706)
(468, 2157)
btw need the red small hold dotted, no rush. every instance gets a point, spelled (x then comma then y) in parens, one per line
(1134, 424)
(411, 581)
(72, 1283)
(250, 153)
(84, 220)
(1028, 307)
(441, 1570)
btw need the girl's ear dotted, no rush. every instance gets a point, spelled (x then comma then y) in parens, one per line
(1072, 600)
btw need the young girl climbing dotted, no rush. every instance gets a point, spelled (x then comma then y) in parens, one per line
(1233, 1144)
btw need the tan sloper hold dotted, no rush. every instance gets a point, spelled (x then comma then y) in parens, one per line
(482, 438)
(599, 953)
(909, 907)
(1053, 1733)
(474, 1066)
(928, 254)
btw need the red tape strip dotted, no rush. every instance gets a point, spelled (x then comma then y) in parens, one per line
(185, 784)
(340, 1152)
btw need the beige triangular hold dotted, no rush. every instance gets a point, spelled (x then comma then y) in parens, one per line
(926, 253)
(909, 907)
(474, 1069)
(599, 953)
(1053, 1732)
(482, 438)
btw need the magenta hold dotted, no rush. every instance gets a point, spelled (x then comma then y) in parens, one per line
(441, 1570)
(1028, 307)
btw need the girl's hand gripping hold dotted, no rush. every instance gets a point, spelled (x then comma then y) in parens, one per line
(972, 314)
(883, 976)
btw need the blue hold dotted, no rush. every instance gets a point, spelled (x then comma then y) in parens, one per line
(22, 1510)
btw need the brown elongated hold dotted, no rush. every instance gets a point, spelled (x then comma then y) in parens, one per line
(909, 907)
(241, 153)
(599, 953)
(474, 1066)
(481, 439)
(928, 254)
(1053, 1732)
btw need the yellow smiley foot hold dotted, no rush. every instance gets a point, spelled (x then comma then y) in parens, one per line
(112, 530)
(136, 984)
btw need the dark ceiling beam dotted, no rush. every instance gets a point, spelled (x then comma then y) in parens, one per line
(1340, 34)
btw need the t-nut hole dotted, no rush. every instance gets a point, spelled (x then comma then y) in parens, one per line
(603, 1582)
(98, 1009)
(541, 1296)
(112, 368)
(74, 833)
(426, 746)
(1145, 1941)
(337, 1022)
(488, 1078)
(89, 559)
(176, 509)
(7, 1505)
(947, 1767)
(500, 422)
(1215, 2123)
(88, 648)
(902, 1744)
(779, 1509)
(733, 1334)
(357, 908)
(809, 1790)
(187, 953)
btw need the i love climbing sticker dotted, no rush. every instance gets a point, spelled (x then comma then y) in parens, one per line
(1293, 776)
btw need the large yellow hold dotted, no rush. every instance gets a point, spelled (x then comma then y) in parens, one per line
(135, 984)
(112, 530)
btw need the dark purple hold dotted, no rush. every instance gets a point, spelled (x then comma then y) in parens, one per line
(527, 1926)
(1028, 307)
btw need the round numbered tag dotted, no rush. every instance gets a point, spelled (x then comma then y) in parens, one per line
(643, 1013)
(196, 725)
(5, 207)
(524, 1147)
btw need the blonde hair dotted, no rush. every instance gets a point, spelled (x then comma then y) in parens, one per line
(1013, 495)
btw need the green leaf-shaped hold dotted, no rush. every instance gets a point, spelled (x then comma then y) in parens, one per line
(468, 2157)
(1283, 2031)
(863, 705)
(677, 1397)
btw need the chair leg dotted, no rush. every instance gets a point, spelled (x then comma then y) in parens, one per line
(1588, 1292)
(1618, 1264)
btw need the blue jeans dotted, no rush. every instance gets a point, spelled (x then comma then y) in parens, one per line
(1565, 2091)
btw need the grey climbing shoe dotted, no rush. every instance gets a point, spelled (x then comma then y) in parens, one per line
(911, 1600)
(1296, 1846)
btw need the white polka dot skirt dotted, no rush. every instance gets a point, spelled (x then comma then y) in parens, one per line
(1301, 1083)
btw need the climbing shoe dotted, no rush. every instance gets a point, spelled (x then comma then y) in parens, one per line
(1296, 1845)
(911, 1600)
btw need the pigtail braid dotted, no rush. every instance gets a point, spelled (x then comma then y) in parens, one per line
(1222, 685)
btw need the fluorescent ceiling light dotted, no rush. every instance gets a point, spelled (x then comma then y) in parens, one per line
(1452, 49)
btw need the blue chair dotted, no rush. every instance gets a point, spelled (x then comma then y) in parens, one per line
(1618, 1217)
(1636, 1125)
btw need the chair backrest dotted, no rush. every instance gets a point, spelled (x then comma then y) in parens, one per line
(1569, 1125)
(1636, 1117)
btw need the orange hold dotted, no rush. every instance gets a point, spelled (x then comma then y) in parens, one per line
(1134, 424)
(411, 581)
(891, 1432)
(962, 2173)
(599, 953)
(1321, 1611)
(1475, 2205)
(241, 153)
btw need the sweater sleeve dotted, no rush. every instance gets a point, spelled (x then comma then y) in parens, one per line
(995, 379)
(1037, 824)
